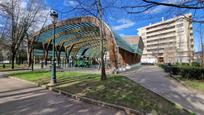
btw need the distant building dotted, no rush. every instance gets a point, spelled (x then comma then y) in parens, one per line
(198, 56)
(168, 41)
(135, 41)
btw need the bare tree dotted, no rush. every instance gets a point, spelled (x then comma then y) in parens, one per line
(29, 38)
(103, 71)
(22, 15)
(94, 8)
(179, 7)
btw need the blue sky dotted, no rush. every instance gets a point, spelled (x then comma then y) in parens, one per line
(122, 22)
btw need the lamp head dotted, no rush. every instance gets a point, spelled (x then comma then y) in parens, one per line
(53, 14)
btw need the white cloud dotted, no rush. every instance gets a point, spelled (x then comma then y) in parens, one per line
(122, 34)
(1, 25)
(23, 4)
(124, 23)
(71, 3)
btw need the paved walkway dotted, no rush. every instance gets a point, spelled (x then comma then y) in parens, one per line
(21, 98)
(153, 78)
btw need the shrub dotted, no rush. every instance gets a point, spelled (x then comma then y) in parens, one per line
(177, 63)
(175, 70)
(185, 64)
(195, 64)
(166, 68)
(188, 72)
(192, 72)
(161, 65)
(4, 66)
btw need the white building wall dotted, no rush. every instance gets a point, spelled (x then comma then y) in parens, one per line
(174, 34)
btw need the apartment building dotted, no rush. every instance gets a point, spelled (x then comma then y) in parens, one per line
(168, 41)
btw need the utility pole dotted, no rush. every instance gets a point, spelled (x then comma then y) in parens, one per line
(103, 71)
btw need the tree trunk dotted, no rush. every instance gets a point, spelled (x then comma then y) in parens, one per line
(13, 55)
(29, 57)
(58, 59)
(58, 52)
(103, 71)
(46, 57)
(29, 53)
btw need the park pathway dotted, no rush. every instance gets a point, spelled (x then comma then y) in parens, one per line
(153, 78)
(21, 98)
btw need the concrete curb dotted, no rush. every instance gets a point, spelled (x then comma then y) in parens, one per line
(85, 99)
(174, 78)
(24, 81)
(100, 103)
(186, 86)
(4, 75)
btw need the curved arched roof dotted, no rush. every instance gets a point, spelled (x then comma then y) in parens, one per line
(82, 33)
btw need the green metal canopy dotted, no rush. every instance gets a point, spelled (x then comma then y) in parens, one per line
(80, 36)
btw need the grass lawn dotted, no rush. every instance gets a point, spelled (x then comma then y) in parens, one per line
(8, 67)
(116, 89)
(195, 84)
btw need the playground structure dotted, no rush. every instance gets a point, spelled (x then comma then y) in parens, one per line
(77, 43)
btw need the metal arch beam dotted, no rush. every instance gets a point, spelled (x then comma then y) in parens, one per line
(112, 45)
(61, 29)
(92, 36)
(86, 44)
(45, 51)
(58, 53)
(80, 42)
(73, 31)
(77, 35)
(90, 46)
(76, 49)
(89, 43)
(92, 51)
(70, 52)
(89, 34)
(84, 51)
(66, 56)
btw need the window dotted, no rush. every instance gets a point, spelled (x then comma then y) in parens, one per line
(179, 25)
(180, 30)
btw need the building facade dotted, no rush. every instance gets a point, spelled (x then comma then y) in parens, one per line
(168, 41)
(79, 38)
(135, 41)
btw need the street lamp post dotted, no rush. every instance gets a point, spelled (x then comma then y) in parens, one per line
(54, 17)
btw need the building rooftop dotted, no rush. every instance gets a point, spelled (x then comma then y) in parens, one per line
(166, 21)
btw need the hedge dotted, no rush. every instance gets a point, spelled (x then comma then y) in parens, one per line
(195, 64)
(175, 70)
(188, 72)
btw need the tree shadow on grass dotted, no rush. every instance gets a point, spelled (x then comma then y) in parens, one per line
(43, 102)
(121, 91)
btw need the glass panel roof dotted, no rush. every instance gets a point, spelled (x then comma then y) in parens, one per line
(84, 33)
